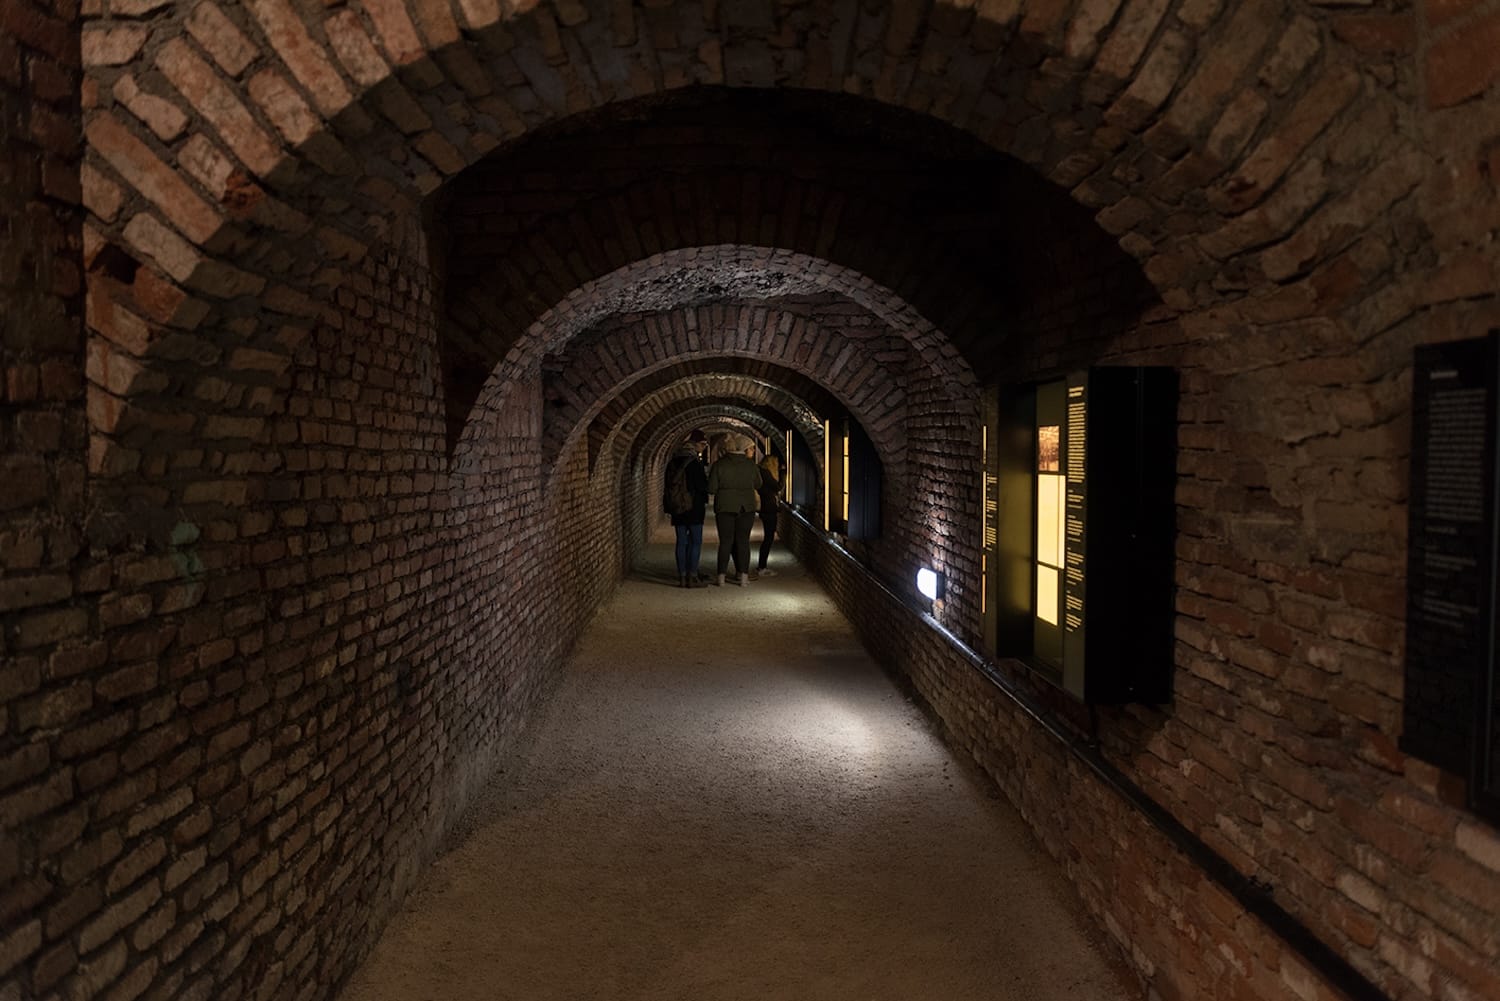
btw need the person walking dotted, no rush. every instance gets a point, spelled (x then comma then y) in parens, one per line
(734, 480)
(685, 498)
(770, 492)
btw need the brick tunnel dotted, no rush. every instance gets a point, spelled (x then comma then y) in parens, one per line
(345, 346)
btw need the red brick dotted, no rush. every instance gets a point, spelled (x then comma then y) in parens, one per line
(397, 34)
(217, 103)
(136, 8)
(112, 45)
(1218, 74)
(1273, 156)
(192, 216)
(480, 13)
(438, 25)
(1378, 34)
(23, 21)
(1439, 12)
(171, 253)
(286, 110)
(1461, 64)
(1127, 41)
(355, 50)
(304, 57)
(220, 38)
(160, 115)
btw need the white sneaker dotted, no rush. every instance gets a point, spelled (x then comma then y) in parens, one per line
(719, 581)
(744, 579)
(766, 572)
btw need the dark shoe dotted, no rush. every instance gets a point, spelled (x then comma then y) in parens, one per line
(682, 580)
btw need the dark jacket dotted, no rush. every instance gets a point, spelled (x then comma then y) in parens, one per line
(697, 483)
(770, 492)
(734, 481)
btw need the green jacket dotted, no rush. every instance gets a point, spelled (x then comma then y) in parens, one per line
(734, 481)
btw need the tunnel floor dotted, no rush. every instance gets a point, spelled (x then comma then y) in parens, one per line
(728, 799)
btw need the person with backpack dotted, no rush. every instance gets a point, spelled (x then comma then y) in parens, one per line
(685, 499)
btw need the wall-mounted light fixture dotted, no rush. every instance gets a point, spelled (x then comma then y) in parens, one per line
(930, 583)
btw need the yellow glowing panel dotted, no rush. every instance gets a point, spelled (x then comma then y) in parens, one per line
(1049, 519)
(1046, 595)
(786, 482)
(846, 473)
(984, 584)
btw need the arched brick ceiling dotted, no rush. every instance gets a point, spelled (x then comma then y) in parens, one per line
(246, 155)
(814, 300)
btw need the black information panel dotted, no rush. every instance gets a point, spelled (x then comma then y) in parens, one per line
(1451, 717)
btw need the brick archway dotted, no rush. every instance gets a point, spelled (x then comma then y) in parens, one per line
(660, 293)
(1201, 139)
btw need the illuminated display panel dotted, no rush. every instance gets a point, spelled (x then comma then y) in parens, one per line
(1048, 522)
(846, 472)
(1080, 564)
(786, 483)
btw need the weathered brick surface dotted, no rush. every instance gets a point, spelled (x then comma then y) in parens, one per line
(43, 600)
(291, 598)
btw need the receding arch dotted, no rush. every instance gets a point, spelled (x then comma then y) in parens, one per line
(682, 330)
(798, 400)
(830, 371)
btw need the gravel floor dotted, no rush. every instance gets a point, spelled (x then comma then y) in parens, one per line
(727, 799)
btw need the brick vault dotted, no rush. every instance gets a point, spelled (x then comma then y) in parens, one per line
(315, 314)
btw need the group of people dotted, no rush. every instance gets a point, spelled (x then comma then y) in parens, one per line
(741, 489)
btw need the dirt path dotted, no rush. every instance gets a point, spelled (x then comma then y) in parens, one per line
(728, 800)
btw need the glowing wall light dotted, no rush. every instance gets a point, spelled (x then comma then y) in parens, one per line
(930, 583)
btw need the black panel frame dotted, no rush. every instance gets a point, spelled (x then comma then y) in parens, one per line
(1451, 707)
(1126, 637)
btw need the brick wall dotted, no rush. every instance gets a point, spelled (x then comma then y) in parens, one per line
(282, 684)
(293, 603)
(45, 599)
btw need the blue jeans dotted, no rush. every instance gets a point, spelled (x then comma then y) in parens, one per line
(689, 546)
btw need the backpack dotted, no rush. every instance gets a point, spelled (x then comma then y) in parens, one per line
(678, 498)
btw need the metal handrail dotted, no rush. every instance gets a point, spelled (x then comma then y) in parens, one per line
(1255, 895)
